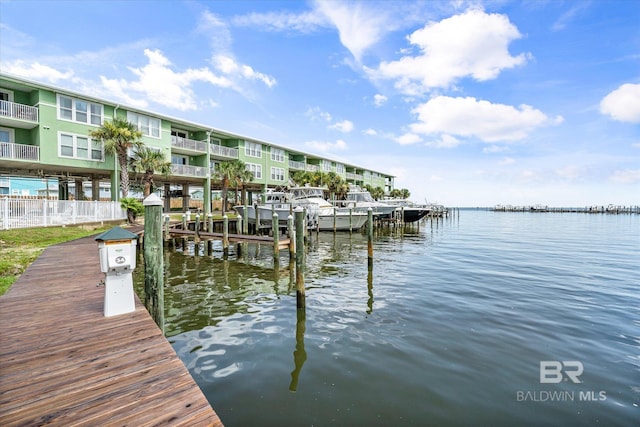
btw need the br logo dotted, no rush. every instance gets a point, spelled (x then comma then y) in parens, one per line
(553, 371)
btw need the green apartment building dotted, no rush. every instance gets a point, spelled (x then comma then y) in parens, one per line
(44, 132)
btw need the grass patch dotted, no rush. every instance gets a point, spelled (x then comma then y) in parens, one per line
(20, 247)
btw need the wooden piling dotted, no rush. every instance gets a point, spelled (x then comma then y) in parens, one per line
(154, 259)
(239, 224)
(370, 236)
(276, 232)
(300, 226)
(196, 238)
(291, 232)
(225, 234)
(255, 206)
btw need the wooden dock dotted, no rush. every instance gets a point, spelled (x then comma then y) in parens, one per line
(63, 363)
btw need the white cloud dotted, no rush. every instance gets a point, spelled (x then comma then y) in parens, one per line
(217, 30)
(324, 147)
(566, 18)
(306, 22)
(358, 25)
(35, 71)
(623, 104)
(495, 149)
(628, 176)
(473, 44)
(344, 126)
(445, 141)
(408, 139)
(468, 117)
(316, 114)
(379, 100)
(507, 161)
(370, 132)
(229, 66)
(159, 83)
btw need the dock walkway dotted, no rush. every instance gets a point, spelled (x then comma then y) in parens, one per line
(63, 363)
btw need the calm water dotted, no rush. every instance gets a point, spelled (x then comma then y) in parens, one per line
(449, 328)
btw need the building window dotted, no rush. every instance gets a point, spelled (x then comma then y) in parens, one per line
(277, 174)
(252, 149)
(80, 147)
(149, 126)
(340, 168)
(77, 110)
(277, 155)
(326, 166)
(255, 169)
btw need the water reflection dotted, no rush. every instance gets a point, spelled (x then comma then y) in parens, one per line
(299, 354)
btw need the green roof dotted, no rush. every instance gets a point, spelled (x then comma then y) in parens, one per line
(116, 233)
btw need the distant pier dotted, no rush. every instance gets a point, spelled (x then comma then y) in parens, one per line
(596, 209)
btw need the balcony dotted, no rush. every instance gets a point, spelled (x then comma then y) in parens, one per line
(220, 151)
(312, 168)
(187, 170)
(188, 145)
(297, 165)
(11, 151)
(18, 115)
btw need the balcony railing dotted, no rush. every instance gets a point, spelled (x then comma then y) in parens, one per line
(188, 144)
(312, 168)
(219, 150)
(187, 170)
(297, 165)
(18, 111)
(13, 151)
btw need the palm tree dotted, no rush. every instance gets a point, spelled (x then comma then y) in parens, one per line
(149, 161)
(230, 174)
(242, 175)
(118, 137)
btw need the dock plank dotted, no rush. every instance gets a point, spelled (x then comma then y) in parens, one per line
(63, 363)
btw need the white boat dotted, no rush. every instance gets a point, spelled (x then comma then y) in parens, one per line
(275, 201)
(360, 200)
(409, 211)
(328, 217)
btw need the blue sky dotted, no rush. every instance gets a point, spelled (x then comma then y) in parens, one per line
(467, 103)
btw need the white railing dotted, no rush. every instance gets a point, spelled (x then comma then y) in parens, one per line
(219, 150)
(18, 111)
(9, 150)
(188, 144)
(312, 168)
(24, 213)
(297, 165)
(186, 170)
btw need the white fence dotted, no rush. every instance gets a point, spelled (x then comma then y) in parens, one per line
(23, 213)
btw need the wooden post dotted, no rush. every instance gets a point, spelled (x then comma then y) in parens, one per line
(291, 232)
(300, 225)
(276, 231)
(255, 207)
(334, 218)
(239, 224)
(350, 220)
(166, 228)
(370, 236)
(196, 238)
(184, 221)
(225, 234)
(210, 223)
(154, 260)
(245, 224)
